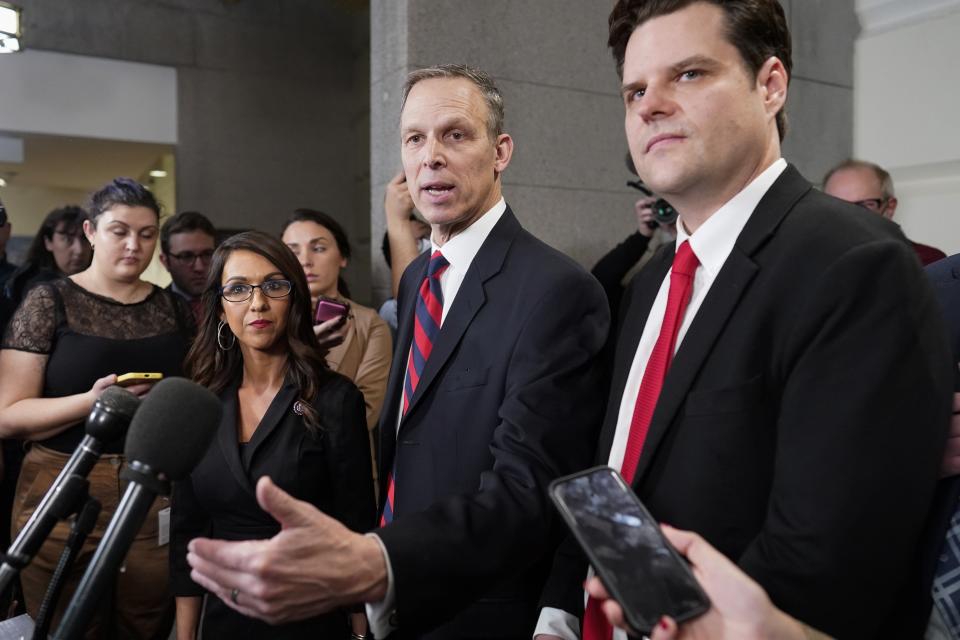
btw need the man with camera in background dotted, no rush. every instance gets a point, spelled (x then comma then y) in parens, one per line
(656, 226)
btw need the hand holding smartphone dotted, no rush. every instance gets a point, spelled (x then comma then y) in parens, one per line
(639, 567)
(328, 309)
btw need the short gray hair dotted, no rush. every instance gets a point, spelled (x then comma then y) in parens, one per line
(480, 79)
(886, 181)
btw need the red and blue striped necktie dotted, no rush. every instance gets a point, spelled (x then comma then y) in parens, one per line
(426, 327)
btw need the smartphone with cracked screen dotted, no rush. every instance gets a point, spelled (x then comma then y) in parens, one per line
(639, 567)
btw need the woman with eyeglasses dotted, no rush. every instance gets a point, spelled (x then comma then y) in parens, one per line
(366, 350)
(67, 342)
(286, 415)
(59, 249)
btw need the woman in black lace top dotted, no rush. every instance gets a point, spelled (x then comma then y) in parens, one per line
(66, 343)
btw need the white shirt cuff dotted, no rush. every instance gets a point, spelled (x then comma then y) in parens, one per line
(380, 613)
(557, 622)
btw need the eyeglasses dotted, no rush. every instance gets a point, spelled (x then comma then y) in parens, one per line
(189, 257)
(69, 238)
(243, 292)
(873, 204)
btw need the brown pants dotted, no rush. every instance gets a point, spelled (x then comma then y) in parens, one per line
(141, 594)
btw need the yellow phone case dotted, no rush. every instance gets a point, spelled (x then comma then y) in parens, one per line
(128, 379)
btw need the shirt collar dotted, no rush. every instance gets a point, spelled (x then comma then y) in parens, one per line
(714, 239)
(461, 249)
(180, 292)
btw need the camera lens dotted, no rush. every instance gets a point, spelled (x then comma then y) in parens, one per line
(664, 212)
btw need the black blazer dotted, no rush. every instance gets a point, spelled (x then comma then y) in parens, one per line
(801, 424)
(945, 277)
(330, 470)
(509, 399)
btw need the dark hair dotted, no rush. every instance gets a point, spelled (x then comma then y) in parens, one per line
(182, 223)
(217, 368)
(339, 236)
(480, 79)
(69, 220)
(886, 180)
(757, 28)
(122, 191)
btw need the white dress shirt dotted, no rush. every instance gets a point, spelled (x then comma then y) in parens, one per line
(712, 244)
(459, 251)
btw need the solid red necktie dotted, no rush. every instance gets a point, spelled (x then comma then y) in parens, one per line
(426, 326)
(685, 263)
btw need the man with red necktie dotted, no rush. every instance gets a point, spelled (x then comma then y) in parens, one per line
(495, 390)
(781, 383)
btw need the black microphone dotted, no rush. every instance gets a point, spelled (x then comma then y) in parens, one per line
(107, 422)
(168, 436)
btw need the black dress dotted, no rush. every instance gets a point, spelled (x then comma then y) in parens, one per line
(88, 336)
(329, 469)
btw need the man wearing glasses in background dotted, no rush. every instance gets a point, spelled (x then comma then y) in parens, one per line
(871, 187)
(187, 241)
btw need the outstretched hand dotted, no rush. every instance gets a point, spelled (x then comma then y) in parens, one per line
(314, 565)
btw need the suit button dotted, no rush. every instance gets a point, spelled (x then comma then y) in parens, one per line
(394, 619)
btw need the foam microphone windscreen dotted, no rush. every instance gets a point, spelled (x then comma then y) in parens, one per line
(111, 414)
(173, 427)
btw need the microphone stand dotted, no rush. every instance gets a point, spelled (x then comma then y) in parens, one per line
(64, 504)
(82, 525)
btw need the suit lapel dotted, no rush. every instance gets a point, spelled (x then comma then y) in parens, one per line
(643, 291)
(391, 404)
(227, 438)
(279, 409)
(470, 298)
(721, 301)
(337, 354)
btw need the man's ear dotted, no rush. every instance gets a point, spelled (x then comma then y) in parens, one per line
(504, 151)
(772, 81)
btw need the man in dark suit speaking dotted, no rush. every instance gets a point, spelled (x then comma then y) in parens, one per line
(781, 382)
(494, 392)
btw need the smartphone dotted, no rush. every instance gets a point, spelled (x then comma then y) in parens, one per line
(129, 379)
(637, 564)
(328, 309)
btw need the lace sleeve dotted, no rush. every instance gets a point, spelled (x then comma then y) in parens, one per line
(34, 324)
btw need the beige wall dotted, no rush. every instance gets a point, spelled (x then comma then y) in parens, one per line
(905, 110)
(27, 206)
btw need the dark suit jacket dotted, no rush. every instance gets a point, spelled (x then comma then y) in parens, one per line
(945, 277)
(801, 424)
(509, 399)
(330, 469)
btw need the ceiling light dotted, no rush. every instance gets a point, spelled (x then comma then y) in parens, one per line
(3, 182)
(9, 28)
(158, 173)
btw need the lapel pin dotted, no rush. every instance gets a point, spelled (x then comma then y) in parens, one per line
(298, 407)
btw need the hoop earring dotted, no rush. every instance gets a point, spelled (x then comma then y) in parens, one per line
(233, 338)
